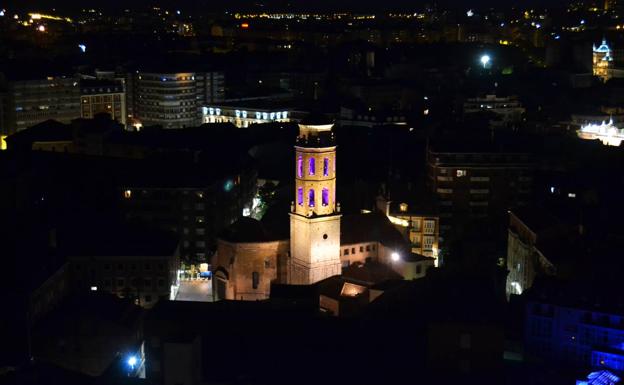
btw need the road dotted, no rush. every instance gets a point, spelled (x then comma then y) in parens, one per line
(198, 291)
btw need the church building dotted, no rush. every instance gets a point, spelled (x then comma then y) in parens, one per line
(250, 257)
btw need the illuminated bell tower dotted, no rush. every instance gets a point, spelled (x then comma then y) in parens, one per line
(602, 61)
(314, 215)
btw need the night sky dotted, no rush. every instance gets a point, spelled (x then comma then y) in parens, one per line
(375, 5)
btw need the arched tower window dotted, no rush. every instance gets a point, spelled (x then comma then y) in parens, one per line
(300, 196)
(312, 166)
(300, 166)
(325, 196)
(326, 167)
(311, 198)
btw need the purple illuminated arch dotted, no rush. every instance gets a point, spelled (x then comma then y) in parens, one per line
(326, 167)
(325, 197)
(312, 166)
(300, 166)
(311, 198)
(300, 196)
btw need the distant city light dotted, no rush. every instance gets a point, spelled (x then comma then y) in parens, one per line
(178, 12)
(552, 190)
(485, 60)
(2, 12)
(245, 25)
(82, 47)
(93, 288)
(470, 13)
(41, 28)
(395, 256)
(582, 21)
(538, 26)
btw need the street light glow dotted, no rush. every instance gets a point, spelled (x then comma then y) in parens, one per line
(132, 361)
(485, 60)
(395, 256)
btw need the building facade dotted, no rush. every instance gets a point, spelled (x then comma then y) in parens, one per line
(28, 102)
(315, 215)
(508, 111)
(173, 100)
(103, 96)
(478, 186)
(242, 116)
(602, 61)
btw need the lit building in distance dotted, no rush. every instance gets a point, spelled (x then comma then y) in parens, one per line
(243, 115)
(28, 102)
(606, 132)
(315, 215)
(508, 110)
(602, 61)
(103, 96)
(172, 100)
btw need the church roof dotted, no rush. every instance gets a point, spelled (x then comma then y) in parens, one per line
(248, 230)
(371, 227)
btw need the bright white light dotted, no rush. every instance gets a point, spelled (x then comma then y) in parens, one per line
(538, 26)
(178, 12)
(571, 195)
(606, 132)
(41, 28)
(485, 60)
(583, 21)
(552, 190)
(132, 361)
(93, 288)
(2, 11)
(395, 256)
(470, 13)
(82, 47)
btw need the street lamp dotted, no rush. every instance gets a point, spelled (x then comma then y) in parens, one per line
(485, 60)
(395, 256)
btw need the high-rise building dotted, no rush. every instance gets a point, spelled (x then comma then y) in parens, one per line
(315, 215)
(173, 100)
(477, 183)
(28, 102)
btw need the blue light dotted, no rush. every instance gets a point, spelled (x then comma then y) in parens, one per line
(582, 21)
(132, 361)
(557, 37)
(229, 185)
(82, 47)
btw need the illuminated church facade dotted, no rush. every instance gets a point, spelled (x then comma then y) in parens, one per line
(250, 258)
(602, 61)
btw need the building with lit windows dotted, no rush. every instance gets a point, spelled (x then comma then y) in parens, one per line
(28, 102)
(173, 100)
(507, 111)
(602, 61)
(477, 182)
(243, 114)
(103, 96)
(574, 325)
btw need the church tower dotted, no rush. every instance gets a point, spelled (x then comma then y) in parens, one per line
(314, 215)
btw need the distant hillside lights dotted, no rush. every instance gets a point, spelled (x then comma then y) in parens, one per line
(607, 133)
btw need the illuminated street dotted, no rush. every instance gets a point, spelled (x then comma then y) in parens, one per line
(197, 291)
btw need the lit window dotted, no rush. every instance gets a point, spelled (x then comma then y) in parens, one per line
(325, 197)
(300, 166)
(311, 198)
(346, 252)
(403, 207)
(312, 166)
(326, 167)
(461, 173)
(300, 196)
(128, 194)
(93, 288)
